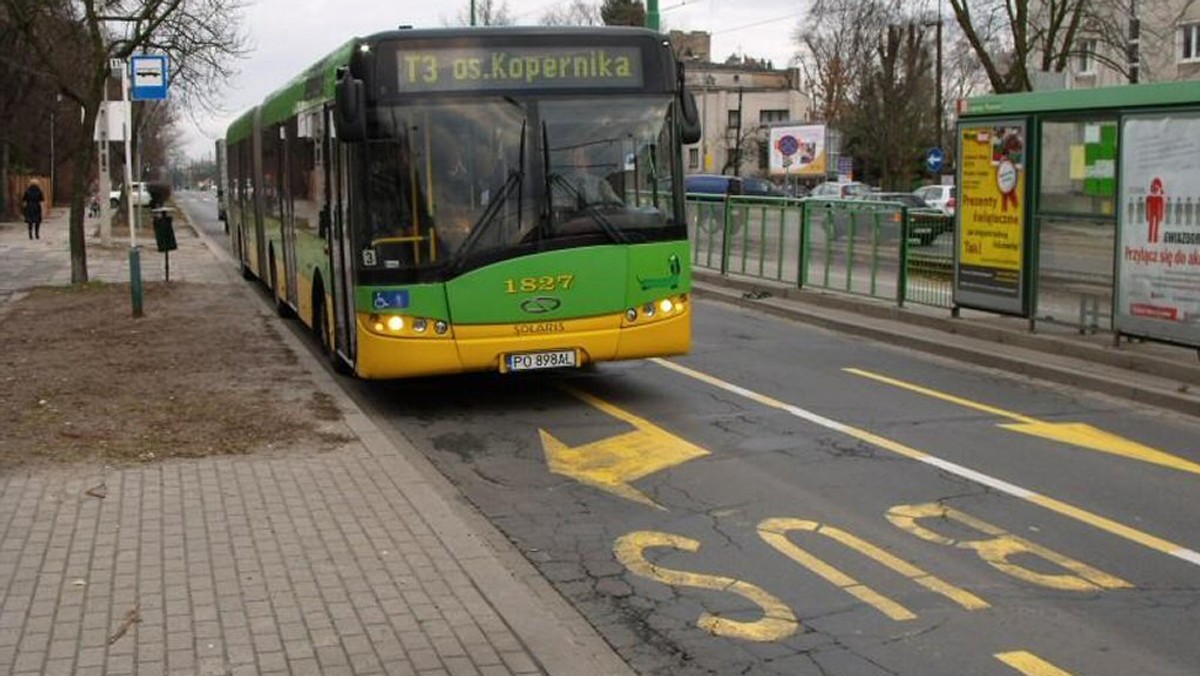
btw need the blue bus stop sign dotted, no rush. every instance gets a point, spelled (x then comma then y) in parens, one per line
(934, 160)
(149, 77)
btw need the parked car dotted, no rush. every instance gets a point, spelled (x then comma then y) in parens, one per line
(940, 197)
(761, 187)
(721, 185)
(140, 197)
(713, 186)
(925, 222)
(839, 190)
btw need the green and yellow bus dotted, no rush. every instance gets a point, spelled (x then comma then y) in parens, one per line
(474, 199)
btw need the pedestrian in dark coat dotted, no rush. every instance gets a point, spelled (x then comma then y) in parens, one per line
(33, 199)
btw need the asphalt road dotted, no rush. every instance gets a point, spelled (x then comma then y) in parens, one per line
(785, 500)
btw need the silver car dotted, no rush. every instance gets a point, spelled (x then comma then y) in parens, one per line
(940, 197)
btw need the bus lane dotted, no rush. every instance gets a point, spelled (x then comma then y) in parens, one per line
(780, 546)
(766, 542)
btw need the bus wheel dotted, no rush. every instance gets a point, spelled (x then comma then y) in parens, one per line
(321, 328)
(281, 306)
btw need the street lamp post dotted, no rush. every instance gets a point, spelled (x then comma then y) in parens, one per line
(1134, 41)
(709, 80)
(937, 75)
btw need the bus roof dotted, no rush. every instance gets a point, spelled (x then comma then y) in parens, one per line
(316, 83)
(1164, 94)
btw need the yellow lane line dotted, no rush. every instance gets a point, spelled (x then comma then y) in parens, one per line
(1029, 664)
(1116, 528)
(1073, 433)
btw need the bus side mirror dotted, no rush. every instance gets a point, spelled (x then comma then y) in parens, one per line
(690, 131)
(349, 107)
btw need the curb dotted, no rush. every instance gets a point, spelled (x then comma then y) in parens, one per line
(556, 635)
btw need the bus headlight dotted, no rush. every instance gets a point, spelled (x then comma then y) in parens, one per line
(395, 323)
(648, 310)
(419, 325)
(440, 327)
(631, 315)
(666, 306)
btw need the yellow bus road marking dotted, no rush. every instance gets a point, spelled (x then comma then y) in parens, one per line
(775, 532)
(1029, 664)
(777, 621)
(611, 464)
(1077, 434)
(1095, 520)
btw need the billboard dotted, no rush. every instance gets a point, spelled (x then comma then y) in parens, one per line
(990, 255)
(798, 150)
(1158, 264)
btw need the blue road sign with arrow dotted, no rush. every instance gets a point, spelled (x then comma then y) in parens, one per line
(934, 159)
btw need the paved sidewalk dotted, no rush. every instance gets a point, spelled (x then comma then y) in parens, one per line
(362, 561)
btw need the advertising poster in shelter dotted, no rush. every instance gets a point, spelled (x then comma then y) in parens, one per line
(989, 271)
(1158, 265)
(798, 150)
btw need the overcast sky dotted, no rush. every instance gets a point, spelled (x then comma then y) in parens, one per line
(287, 36)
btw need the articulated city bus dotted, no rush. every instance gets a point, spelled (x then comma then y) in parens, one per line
(474, 199)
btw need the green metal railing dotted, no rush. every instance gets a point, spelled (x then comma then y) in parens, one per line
(876, 249)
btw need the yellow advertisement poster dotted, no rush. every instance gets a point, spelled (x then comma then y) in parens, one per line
(992, 209)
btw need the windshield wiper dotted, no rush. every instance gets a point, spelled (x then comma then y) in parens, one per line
(614, 233)
(515, 179)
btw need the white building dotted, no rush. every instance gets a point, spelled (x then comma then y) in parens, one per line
(1169, 46)
(737, 102)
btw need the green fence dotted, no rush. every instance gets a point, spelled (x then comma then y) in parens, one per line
(850, 246)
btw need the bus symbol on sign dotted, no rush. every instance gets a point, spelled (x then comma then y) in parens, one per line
(149, 77)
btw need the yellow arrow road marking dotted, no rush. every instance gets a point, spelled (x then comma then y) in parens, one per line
(1077, 434)
(1065, 509)
(611, 464)
(1029, 664)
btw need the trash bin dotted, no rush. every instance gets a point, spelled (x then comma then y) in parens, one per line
(164, 230)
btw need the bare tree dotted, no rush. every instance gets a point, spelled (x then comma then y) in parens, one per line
(487, 13)
(1014, 39)
(196, 35)
(836, 47)
(574, 13)
(891, 124)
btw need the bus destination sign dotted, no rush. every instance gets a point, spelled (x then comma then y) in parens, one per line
(508, 68)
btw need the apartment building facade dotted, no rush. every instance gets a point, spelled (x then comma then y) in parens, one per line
(1168, 46)
(739, 100)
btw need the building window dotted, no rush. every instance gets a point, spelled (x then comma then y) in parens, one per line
(693, 158)
(769, 116)
(1189, 42)
(734, 120)
(1085, 57)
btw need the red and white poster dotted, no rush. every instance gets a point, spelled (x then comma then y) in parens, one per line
(1158, 262)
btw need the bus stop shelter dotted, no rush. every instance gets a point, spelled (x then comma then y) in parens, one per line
(1083, 206)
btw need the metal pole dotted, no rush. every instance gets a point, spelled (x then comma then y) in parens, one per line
(940, 109)
(652, 14)
(135, 266)
(737, 153)
(53, 192)
(1134, 43)
(472, 12)
(704, 124)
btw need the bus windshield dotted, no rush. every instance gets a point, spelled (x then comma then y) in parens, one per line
(459, 184)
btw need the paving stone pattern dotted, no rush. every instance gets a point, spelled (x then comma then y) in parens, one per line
(309, 563)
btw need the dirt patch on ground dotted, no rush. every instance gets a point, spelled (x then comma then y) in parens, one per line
(199, 374)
